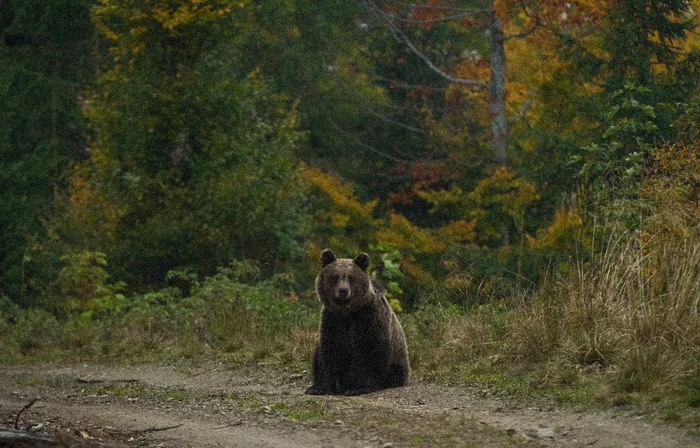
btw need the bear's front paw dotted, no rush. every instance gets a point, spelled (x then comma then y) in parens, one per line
(314, 390)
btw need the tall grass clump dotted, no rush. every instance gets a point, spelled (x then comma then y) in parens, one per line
(631, 311)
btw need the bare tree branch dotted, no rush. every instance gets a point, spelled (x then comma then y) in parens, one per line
(364, 145)
(397, 123)
(437, 19)
(466, 11)
(19, 438)
(524, 33)
(236, 423)
(520, 34)
(535, 25)
(399, 35)
(403, 85)
(521, 113)
(144, 431)
(155, 429)
(496, 86)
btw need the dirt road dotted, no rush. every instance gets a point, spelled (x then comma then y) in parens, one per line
(214, 405)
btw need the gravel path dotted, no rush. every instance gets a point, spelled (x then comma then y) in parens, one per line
(213, 405)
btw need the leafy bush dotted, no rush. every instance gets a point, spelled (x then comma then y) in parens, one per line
(35, 329)
(233, 312)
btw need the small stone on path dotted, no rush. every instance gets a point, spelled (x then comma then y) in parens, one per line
(545, 433)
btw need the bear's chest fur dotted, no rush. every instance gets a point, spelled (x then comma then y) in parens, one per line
(353, 343)
(362, 347)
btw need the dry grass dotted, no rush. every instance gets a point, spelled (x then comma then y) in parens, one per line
(632, 312)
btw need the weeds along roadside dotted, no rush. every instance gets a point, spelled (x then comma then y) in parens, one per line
(230, 313)
(622, 328)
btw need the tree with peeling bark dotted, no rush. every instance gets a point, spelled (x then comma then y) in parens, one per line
(487, 16)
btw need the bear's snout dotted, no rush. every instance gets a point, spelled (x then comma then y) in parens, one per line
(343, 293)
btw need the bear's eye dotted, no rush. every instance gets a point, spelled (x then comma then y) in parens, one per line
(336, 277)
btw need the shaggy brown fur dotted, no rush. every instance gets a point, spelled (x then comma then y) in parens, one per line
(362, 347)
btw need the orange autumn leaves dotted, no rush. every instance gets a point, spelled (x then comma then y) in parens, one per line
(344, 222)
(349, 225)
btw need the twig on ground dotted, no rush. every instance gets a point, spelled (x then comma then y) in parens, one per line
(22, 410)
(141, 431)
(155, 429)
(88, 380)
(238, 423)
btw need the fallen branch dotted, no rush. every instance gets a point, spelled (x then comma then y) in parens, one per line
(238, 423)
(13, 437)
(22, 410)
(88, 380)
(155, 429)
(142, 431)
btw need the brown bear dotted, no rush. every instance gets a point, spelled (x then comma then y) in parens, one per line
(362, 347)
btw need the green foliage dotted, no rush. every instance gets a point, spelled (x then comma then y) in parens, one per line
(33, 329)
(641, 33)
(83, 280)
(271, 303)
(487, 255)
(618, 162)
(341, 65)
(232, 312)
(388, 272)
(491, 212)
(47, 58)
(181, 135)
(341, 220)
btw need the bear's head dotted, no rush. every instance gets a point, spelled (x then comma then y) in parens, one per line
(343, 284)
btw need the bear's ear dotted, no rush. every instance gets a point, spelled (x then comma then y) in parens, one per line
(362, 261)
(327, 257)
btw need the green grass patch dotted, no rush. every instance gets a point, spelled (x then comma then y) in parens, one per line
(303, 415)
(416, 441)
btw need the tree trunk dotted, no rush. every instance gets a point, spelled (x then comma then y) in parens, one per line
(497, 101)
(497, 88)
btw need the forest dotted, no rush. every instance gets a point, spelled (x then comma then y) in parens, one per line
(525, 176)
